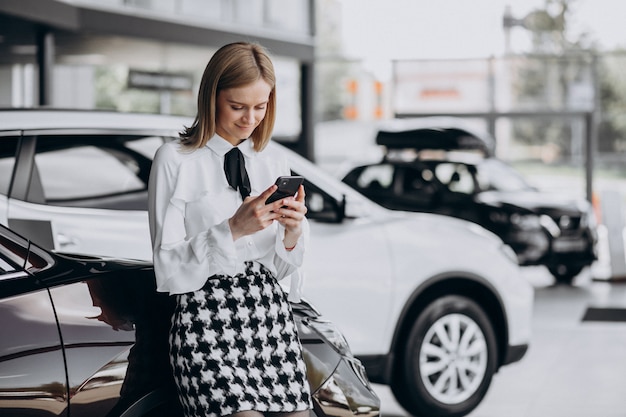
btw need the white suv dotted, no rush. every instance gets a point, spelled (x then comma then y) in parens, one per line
(432, 305)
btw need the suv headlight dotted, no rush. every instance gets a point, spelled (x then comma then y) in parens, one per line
(534, 221)
(550, 225)
(330, 333)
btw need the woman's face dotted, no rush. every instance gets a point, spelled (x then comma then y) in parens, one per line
(241, 109)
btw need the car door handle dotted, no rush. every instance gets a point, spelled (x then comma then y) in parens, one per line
(65, 240)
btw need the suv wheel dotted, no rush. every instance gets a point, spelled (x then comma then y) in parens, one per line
(448, 361)
(565, 274)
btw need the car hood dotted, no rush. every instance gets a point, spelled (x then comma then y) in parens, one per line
(430, 224)
(534, 201)
(411, 246)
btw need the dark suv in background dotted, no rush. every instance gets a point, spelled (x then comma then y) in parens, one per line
(444, 168)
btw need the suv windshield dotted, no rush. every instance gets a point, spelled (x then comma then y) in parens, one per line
(496, 175)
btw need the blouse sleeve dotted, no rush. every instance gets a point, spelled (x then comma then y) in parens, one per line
(291, 263)
(182, 264)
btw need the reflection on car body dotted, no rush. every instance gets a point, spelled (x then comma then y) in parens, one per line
(433, 165)
(87, 336)
(393, 282)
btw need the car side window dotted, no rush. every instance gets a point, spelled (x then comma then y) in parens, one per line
(146, 146)
(376, 177)
(321, 207)
(5, 267)
(417, 181)
(8, 148)
(456, 177)
(96, 172)
(85, 172)
(16, 252)
(13, 252)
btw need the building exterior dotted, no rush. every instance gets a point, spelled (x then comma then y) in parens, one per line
(148, 55)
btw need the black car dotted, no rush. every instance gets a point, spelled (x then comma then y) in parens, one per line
(451, 170)
(87, 336)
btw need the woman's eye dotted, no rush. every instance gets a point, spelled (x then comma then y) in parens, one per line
(237, 107)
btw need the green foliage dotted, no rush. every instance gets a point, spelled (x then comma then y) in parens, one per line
(552, 77)
(112, 93)
(612, 135)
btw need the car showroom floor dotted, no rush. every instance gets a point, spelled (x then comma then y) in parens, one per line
(576, 363)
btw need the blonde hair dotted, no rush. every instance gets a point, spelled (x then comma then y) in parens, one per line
(234, 65)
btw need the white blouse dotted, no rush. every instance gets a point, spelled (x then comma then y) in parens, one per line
(190, 203)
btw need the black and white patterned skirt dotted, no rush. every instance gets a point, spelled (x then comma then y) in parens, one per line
(234, 347)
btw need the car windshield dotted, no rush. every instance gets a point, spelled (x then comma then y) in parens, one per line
(494, 175)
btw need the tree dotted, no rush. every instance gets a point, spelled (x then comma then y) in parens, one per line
(557, 75)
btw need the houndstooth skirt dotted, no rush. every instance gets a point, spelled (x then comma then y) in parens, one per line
(234, 347)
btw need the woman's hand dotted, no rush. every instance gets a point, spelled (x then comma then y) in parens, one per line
(292, 212)
(254, 215)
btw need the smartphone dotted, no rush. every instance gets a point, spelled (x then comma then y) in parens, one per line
(287, 187)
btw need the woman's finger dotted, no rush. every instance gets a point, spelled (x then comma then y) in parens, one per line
(300, 196)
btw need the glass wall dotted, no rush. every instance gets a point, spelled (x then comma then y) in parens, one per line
(275, 15)
(538, 107)
(92, 72)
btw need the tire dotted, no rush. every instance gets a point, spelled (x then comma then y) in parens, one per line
(564, 274)
(429, 366)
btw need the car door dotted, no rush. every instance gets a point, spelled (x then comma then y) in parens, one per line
(32, 369)
(97, 345)
(349, 256)
(83, 193)
(114, 327)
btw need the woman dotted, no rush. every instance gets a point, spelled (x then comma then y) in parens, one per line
(220, 249)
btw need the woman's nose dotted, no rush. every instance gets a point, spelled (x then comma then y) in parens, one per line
(248, 116)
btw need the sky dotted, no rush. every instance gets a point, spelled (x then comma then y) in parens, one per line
(425, 29)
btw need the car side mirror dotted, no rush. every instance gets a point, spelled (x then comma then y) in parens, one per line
(324, 208)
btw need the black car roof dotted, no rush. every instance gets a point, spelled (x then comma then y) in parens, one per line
(433, 138)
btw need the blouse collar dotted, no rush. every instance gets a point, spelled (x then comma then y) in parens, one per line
(220, 146)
